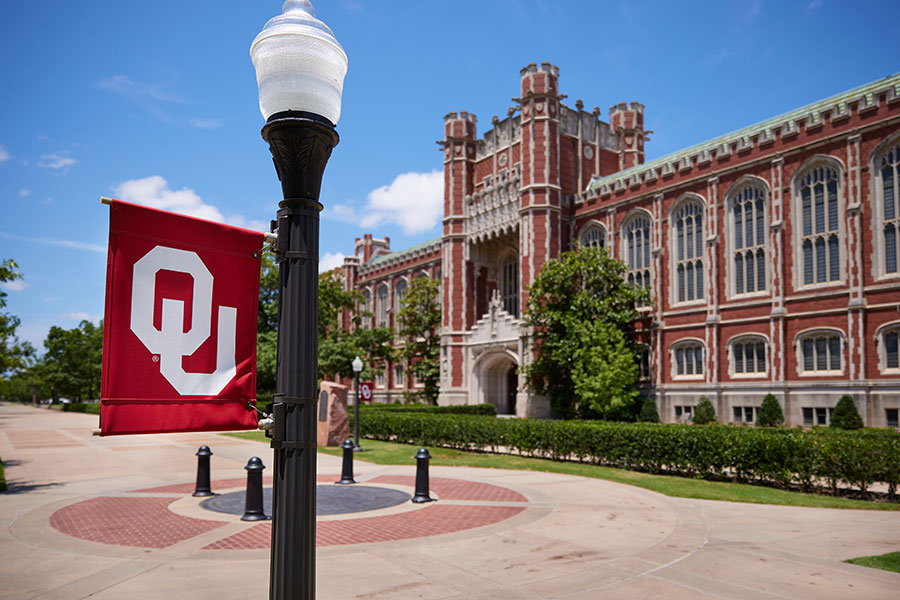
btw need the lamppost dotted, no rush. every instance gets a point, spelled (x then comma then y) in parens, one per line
(357, 368)
(300, 69)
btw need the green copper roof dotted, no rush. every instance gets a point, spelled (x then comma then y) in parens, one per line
(401, 253)
(837, 101)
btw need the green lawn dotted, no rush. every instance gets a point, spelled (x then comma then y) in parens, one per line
(886, 562)
(389, 453)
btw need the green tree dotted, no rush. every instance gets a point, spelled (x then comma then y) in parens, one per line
(71, 363)
(770, 413)
(14, 354)
(705, 413)
(418, 322)
(845, 415)
(649, 413)
(267, 327)
(337, 346)
(582, 312)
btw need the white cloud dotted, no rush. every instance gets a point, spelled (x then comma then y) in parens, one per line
(206, 123)
(4, 155)
(16, 285)
(414, 201)
(331, 260)
(56, 161)
(122, 84)
(239, 221)
(154, 192)
(24, 193)
(54, 242)
(340, 212)
(81, 316)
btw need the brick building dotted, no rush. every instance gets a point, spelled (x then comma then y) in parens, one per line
(771, 252)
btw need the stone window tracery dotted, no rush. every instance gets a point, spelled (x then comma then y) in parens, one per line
(747, 222)
(820, 353)
(820, 212)
(636, 250)
(382, 306)
(748, 356)
(688, 359)
(688, 237)
(593, 235)
(510, 285)
(887, 189)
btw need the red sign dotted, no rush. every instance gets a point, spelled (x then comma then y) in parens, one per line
(179, 340)
(365, 391)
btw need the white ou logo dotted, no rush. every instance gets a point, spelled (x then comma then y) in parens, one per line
(171, 343)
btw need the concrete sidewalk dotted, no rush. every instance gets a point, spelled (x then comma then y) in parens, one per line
(112, 518)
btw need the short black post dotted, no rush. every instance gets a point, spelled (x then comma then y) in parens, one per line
(422, 458)
(347, 469)
(253, 499)
(202, 487)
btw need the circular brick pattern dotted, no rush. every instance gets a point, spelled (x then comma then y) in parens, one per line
(147, 522)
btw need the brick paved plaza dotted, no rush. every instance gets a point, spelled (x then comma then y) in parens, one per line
(113, 518)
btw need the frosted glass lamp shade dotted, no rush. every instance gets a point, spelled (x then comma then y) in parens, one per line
(299, 64)
(357, 365)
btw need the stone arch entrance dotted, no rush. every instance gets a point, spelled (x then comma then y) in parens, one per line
(496, 381)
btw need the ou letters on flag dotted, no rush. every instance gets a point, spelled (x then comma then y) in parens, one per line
(179, 340)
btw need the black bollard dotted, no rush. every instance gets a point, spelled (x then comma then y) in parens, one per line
(202, 487)
(253, 499)
(422, 458)
(347, 469)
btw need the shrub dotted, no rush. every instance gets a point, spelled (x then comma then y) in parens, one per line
(486, 410)
(845, 415)
(649, 414)
(780, 456)
(770, 414)
(704, 414)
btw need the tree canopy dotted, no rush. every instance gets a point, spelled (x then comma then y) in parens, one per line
(13, 352)
(582, 312)
(418, 324)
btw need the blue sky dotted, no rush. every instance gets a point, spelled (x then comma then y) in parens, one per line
(157, 103)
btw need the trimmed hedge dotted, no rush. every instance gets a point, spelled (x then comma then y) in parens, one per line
(779, 456)
(485, 410)
(82, 407)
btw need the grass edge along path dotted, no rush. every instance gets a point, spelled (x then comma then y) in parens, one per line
(885, 562)
(392, 453)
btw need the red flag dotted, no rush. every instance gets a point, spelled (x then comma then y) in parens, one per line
(179, 340)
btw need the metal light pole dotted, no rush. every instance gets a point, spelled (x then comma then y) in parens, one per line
(357, 368)
(300, 70)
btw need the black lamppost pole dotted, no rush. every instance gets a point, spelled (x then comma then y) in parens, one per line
(300, 70)
(357, 368)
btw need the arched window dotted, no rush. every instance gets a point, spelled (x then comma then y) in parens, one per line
(747, 220)
(687, 359)
(888, 338)
(688, 237)
(818, 192)
(593, 235)
(509, 292)
(748, 356)
(366, 307)
(382, 306)
(400, 294)
(636, 249)
(820, 352)
(887, 190)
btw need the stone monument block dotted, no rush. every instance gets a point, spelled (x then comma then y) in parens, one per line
(333, 424)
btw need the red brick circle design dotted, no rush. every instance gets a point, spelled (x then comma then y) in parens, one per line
(435, 519)
(458, 489)
(140, 522)
(148, 523)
